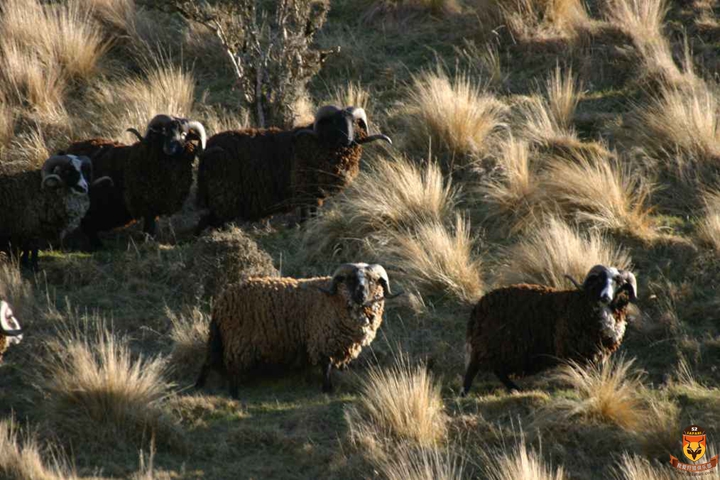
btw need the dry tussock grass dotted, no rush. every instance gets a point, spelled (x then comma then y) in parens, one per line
(533, 20)
(520, 462)
(401, 403)
(27, 149)
(16, 291)
(22, 458)
(550, 252)
(352, 93)
(367, 210)
(708, 228)
(99, 392)
(681, 126)
(405, 10)
(511, 198)
(638, 468)
(438, 260)
(189, 333)
(564, 92)
(610, 392)
(428, 463)
(603, 193)
(455, 117)
(165, 88)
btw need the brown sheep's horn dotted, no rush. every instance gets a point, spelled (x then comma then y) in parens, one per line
(372, 138)
(6, 328)
(48, 167)
(574, 282)
(379, 270)
(198, 128)
(629, 280)
(136, 133)
(339, 275)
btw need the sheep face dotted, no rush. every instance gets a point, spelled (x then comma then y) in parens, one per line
(337, 130)
(174, 133)
(359, 282)
(604, 284)
(9, 325)
(67, 171)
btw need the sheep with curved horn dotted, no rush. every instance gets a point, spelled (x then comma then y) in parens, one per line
(41, 206)
(525, 329)
(151, 178)
(254, 173)
(267, 322)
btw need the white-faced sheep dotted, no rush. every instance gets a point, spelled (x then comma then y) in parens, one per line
(42, 205)
(10, 330)
(269, 322)
(150, 178)
(253, 173)
(524, 329)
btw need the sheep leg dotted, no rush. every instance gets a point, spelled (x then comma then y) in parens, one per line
(150, 226)
(327, 380)
(470, 373)
(209, 220)
(509, 384)
(233, 387)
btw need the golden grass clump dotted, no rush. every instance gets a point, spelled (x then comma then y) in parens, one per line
(453, 117)
(602, 193)
(632, 467)
(438, 260)
(708, 228)
(21, 457)
(520, 462)
(369, 209)
(59, 33)
(401, 404)
(551, 251)
(15, 290)
(422, 463)
(510, 199)
(189, 333)
(681, 125)
(351, 94)
(564, 92)
(98, 391)
(533, 20)
(164, 88)
(609, 392)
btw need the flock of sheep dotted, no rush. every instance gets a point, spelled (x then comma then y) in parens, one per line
(98, 185)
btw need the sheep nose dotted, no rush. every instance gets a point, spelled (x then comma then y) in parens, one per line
(605, 298)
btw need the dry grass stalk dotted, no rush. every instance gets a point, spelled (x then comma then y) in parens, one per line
(429, 463)
(21, 457)
(189, 334)
(520, 462)
(601, 193)
(404, 10)
(456, 117)
(402, 404)
(550, 252)
(532, 20)
(708, 229)
(437, 260)
(638, 468)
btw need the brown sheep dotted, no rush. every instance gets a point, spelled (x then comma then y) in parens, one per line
(150, 178)
(524, 329)
(254, 173)
(269, 322)
(10, 331)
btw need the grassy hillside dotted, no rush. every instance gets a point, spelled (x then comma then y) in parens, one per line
(532, 139)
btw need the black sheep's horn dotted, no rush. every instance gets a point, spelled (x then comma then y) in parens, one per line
(373, 138)
(574, 282)
(136, 133)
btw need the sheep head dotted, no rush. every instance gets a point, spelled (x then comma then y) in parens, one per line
(67, 171)
(603, 284)
(173, 132)
(336, 127)
(9, 326)
(359, 279)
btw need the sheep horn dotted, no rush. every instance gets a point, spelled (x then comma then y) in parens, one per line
(378, 270)
(629, 280)
(103, 180)
(136, 133)
(360, 115)
(49, 166)
(574, 282)
(339, 276)
(372, 138)
(200, 130)
(7, 329)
